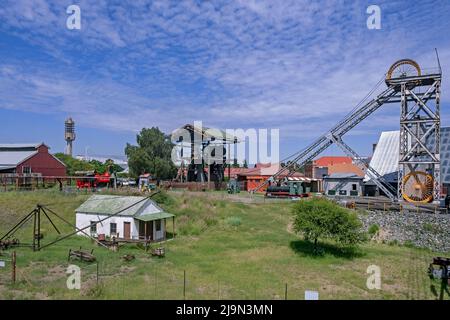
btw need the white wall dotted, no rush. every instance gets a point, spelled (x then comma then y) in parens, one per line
(84, 220)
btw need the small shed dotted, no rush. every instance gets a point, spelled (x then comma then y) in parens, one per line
(138, 218)
(343, 184)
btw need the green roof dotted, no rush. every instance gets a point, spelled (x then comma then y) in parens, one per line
(109, 205)
(145, 210)
(155, 216)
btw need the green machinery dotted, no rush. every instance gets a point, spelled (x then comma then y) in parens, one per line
(233, 186)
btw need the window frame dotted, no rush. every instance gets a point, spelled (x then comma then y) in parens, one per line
(158, 225)
(111, 228)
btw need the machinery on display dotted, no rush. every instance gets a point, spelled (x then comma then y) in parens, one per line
(201, 139)
(418, 94)
(92, 180)
(145, 183)
(233, 186)
(289, 188)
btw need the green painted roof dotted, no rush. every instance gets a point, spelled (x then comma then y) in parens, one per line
(109, 205)
(154, 216)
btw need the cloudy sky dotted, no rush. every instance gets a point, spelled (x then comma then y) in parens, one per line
(298, 66)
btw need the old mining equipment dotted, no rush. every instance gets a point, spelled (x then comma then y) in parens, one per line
(288, 189)
(418, 93)
(419, 161)
(203, 145)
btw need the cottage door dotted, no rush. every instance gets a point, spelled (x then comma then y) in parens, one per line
(126, 230)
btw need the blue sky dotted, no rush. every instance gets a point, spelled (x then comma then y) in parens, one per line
(294, 65)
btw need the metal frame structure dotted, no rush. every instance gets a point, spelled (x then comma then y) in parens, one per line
(419, 124)
(419, 128)
(335, 136)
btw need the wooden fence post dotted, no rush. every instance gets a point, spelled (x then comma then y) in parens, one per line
(13, 265)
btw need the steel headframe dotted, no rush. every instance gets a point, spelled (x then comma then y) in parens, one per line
(420, 124)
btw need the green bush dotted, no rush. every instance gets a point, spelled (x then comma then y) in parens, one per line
(233, 221)
(373, 230)
(321, 218)
(429, 227)
(162, 198)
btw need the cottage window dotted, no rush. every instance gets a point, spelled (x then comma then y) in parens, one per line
(342, 192)
(26, 169)
(158, 225)
(113, 228)
(93, 227)
(354, 187)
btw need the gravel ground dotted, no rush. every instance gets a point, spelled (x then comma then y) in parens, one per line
(423, 230)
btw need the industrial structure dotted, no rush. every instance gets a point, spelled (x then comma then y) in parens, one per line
(203, 144)
(69, 135)
(419, 154)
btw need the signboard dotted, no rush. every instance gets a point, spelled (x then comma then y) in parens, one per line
(2, 264)
(311, 295)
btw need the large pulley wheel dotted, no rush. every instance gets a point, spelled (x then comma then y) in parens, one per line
(418, 187)
(403, 68)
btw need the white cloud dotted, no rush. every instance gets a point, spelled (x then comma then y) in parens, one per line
(297, 65)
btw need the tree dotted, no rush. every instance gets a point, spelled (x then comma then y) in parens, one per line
(321, 218)
(245, 165)
(235, 163)
(73, 165)
(151, 155)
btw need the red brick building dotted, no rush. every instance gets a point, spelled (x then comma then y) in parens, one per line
(30, 158)
(328, 165)
(251, 178)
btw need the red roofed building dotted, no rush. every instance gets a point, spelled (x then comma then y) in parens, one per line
(253, 177)
(30, 158)
(328, 165)
(331, 160)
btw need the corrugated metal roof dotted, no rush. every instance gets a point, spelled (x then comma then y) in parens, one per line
(13, 158)
(155, 216)
(6, 167)
(385, 157)
(445, 155)
(343, 175)
(330, 160)
(20, 145)
(110, 204)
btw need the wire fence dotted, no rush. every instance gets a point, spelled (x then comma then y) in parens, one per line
(104, 281)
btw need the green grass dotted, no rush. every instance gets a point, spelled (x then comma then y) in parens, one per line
(223, 259)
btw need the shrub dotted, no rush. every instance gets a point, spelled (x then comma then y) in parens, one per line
(163, 198)
(373, 230)
(233, 221)
(429, 227)
(321, 218)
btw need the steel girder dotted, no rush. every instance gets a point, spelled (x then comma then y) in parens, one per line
(420, 130)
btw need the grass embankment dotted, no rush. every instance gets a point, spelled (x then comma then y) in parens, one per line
(229, 250)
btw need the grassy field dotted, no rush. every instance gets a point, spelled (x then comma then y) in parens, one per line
(228, 249)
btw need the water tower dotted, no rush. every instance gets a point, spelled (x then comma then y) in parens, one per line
(69, 135)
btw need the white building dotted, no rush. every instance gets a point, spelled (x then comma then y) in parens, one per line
(123, 217)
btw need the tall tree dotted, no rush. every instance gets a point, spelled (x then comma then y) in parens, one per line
(151, 155)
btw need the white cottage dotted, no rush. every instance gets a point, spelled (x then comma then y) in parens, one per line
(143, 221)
